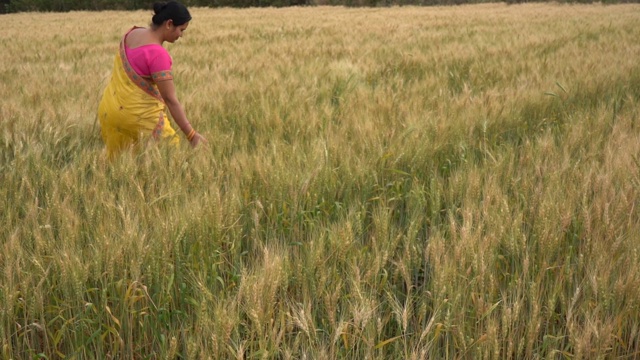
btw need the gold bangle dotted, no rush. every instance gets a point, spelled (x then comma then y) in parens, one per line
(192, 133)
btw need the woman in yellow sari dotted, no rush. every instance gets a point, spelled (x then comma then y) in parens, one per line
(133, 106)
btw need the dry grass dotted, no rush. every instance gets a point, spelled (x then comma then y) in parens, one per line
(413, 183)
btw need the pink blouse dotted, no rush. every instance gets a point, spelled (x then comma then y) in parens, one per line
(150, 60)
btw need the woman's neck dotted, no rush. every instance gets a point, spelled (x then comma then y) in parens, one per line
(156, 35)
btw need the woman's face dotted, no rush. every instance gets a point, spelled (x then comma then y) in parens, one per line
(175, 32)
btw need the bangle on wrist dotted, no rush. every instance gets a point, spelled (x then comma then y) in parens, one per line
(191, 134)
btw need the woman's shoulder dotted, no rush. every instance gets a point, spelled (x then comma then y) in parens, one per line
(138, 37)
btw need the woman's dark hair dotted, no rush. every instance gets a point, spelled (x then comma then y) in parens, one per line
(171, 10)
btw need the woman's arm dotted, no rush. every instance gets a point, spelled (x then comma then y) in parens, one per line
(168, 92)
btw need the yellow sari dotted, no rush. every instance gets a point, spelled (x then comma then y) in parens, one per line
(132, 108)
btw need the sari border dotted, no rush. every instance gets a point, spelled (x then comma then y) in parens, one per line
(157, 131)
(145, 84)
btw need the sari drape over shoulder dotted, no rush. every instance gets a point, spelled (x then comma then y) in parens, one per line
(132, 108)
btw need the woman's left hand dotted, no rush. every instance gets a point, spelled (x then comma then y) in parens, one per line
(197, 139)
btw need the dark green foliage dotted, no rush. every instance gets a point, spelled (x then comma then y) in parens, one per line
(12, 6)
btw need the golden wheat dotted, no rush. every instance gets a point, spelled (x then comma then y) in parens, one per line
(444, 182)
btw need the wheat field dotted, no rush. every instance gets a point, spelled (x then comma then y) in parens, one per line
(382, 183)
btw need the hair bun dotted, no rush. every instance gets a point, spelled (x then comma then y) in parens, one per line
(171, 10)
(158, 7)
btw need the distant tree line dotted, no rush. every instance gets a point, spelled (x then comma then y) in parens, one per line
(11, 6)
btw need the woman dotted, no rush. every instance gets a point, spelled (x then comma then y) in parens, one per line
(141, 86)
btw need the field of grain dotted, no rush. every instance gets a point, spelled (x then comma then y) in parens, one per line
(388, 183)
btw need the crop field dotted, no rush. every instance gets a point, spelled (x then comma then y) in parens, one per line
(380, 183)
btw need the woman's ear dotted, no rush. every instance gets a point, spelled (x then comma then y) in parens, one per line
(169, 23)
